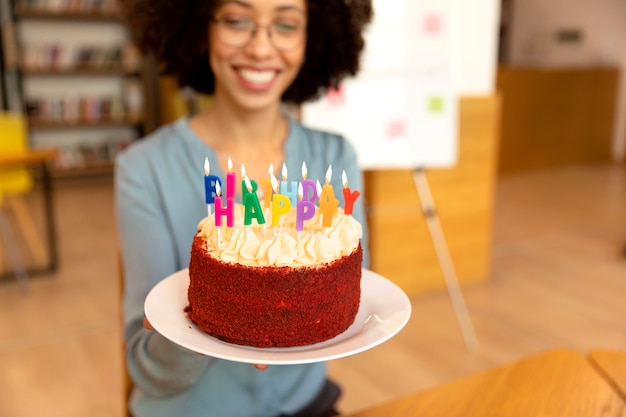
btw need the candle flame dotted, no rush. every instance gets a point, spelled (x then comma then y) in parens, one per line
(248, 183)
(329, 173)
(274, 182)
(218, 189)
(344, 178)
(230, 164)
(318, 187)
(271, 170)
(243, 171)
(300, 191)
(304, 170)
(207, 166)
(284, 172)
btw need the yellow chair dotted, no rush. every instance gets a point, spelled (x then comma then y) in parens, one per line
(15, 182)
(176, 102)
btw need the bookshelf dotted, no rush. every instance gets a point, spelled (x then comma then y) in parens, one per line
(70, 67)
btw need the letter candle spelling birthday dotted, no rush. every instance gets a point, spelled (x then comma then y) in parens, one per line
(348, 196)
(328, 201)
(267, 192)
(209, 185)
(289, 189)
(230, 181)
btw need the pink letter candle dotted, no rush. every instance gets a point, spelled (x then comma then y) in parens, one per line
(230, 181)
(228, 211)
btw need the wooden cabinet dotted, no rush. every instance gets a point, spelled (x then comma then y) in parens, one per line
(556, 116)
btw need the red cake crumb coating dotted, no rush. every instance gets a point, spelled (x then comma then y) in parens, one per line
(273, 306)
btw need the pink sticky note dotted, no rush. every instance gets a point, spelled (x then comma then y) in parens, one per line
(396, 128)
(432, 24)
(336, 97)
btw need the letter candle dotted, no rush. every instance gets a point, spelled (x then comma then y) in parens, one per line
(230, 181)
(275, 188)
(252, 206)
(251, 203)
(305, 209)
(267, 192)
(219, 228)
(220, 210)
(318, 188)
(289, 189)
(209, 185)
(328, 201)
(281, 204)
(267, 197)
(348, 196)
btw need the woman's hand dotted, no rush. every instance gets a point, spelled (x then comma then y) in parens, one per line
(147, 325)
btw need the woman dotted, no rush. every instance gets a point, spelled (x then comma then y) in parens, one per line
(252, 56)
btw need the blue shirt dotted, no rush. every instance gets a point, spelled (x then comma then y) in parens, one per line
(159, 185)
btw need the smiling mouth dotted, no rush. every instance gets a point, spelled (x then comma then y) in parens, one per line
(257, 77)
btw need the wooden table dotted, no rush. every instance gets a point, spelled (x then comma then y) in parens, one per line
(39, 158)
(556, 383)
(611, 364)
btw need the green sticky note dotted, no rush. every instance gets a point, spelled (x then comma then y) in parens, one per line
(435, 104)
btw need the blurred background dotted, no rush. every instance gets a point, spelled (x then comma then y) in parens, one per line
(531, 207)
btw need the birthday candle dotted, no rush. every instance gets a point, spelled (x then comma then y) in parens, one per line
(220, 210)
(289, 189)
(348, 196)
(209, 185)
(275, 188)
(247, 185)
(251, 204)
(230, 181)
(281, 204)
(328, 201)
(267, 189)
(305, 210)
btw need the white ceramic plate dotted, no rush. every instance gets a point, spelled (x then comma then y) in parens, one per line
(384, 310)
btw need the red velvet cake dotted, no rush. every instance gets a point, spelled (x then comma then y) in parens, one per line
(275, 288)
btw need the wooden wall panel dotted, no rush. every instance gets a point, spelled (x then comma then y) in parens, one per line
(554, 117)
(400, 244)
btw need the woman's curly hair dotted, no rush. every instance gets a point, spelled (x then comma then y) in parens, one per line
(176, 33)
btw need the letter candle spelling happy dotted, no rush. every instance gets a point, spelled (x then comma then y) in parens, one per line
(276, 205)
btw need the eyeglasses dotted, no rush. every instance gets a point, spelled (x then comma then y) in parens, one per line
(238, 32)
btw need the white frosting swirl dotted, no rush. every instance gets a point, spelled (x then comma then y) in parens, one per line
(266, 245)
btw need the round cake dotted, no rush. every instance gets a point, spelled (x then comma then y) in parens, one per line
(272, 286)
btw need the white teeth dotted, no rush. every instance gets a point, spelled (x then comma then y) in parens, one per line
(256, 76)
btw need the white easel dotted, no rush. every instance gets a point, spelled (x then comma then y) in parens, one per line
(445, 262)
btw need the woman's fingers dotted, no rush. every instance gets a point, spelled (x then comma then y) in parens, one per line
(147, 325)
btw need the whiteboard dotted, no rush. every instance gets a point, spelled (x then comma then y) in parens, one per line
(400, 111)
